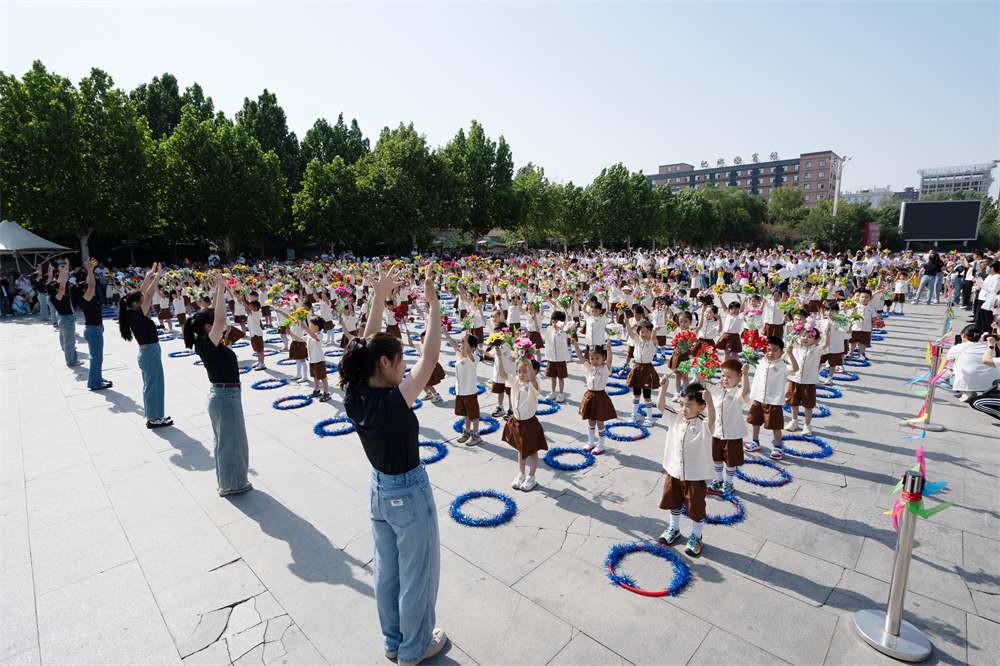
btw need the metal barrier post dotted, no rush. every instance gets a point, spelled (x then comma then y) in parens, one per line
(888, 632)
(927, 424)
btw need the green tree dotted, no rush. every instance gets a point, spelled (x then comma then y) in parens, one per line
(328, 208)
(407, 188)
(219, 184)
(844, 232)
(570, 221)
(738, 212)
(265, 121)
(698, 222)
(886, 215)
(160, 102)
(484, 172)
(202, 107)
(787, 207)
(75, 161)
(623, 205)
(324, 142)
(532, 208)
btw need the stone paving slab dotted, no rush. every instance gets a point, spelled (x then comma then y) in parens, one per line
(116, 549)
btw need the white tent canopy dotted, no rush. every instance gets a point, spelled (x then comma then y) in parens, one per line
(18, 241)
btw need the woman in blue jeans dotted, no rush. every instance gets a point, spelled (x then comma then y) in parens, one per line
(401, 502)
(134, 321)
(203, 333)
(93, 331)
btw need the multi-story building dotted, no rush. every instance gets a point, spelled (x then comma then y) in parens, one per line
(908, 194)
(975, 177)
(813, 173)
(873, 196)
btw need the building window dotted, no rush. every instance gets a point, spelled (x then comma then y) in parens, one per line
(795, 178)
(805, 198)
(819, 186)
(823, 163)
(668, 169)
(818, 197)
(784, 179)
(772, 169)
(821, 174)
(796, 167)
(687, 179)
(738, 183)
(771, 180)
(809, 175)
(809, 165)
(806, 186)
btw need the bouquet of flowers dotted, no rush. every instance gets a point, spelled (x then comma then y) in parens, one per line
(753, 344)
(669, 325)
(824, 293)
(752, 319)
(748, 289)
(523, 351)
(706, 364)
(621, 308)
(789, 306)
(850, 303)
(682, 305)
(718, 288)
(705, 299)
(400, 312)
(566, 327)
(563, 302)
(684, 342)
(613, 330)
(499, 339)
(467, 322)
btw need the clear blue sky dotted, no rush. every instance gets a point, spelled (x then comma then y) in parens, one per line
(573, 87)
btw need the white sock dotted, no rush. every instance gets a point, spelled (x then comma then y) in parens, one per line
(635, 406)
(730, 473)
(600, 439)
(718, 471)
(675, 519)
(591, 431)
(649, 408)
(301, 368)
(696, 528)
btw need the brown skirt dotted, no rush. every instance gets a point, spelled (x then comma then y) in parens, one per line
(297, 351)
(181, 318)
(597, 406)
(234, 334)
(643, 376)
(526, 437)
(240, 319)
(164, 314)
(773, 330)
(327, 325)
(661, 341)
(393, 330)
(500, 387)
(677, 359)
(436, 376)
(705, 342)
(730, 342)
(478, 332)
(344, 340)
(266, 311)
(556, 369)
(536, 339)
(814, 306)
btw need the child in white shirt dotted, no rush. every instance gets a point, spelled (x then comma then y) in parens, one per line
(730, 396)
(768, 394)
(523, 432)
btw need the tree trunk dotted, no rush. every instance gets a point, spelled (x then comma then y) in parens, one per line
(226, 249)
(85, 245)
(413, 238)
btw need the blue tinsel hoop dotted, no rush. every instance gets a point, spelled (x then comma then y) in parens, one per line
(417, 404)
(828, 392)
(182, 353)
(619, 373)
(412, 352)
(270, 352)
(878, 338)
(656, 414)
(286, 361)
(272, 341)
(271, 331)
(456, 509)
(819, 411)
(492, 425)
(334, 353)
(553, 454)
(766, 483)
(244, 369)
(480, 389)
(656, 362)
(619, 551)
(332, 367)
(266, 384)
(553, 407)
(615, 343)
(840, 376)
(618, 389)
(643, 431)
(857, 362)
(280, 402)
(451, 364)
(825, 450)
(239, 345)
(440, 448)
(321, 428)
(199, 363)
(731, 519)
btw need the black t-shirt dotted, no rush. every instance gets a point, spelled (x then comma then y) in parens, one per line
(220, 361)
(64, 306)
(933, 266)
(388, 428)
(143, 328)
(91, 311)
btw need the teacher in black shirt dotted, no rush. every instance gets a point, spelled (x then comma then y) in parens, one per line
(93, 331)
(134, 321)
(401, 504)
(203, 332)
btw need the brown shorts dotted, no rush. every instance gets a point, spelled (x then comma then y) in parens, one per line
(676, 359)
(344, 340)
(467, 405)
(769, 416)
(181, 318)
(773, 330)
(861, 337)
(478, 332)
(597, 406)
(512, 327)
(437, 376)
(661, 341)
(899, 298)
(643, 376)
(256, 343)
(690, 494)
(730, 342)
(234, 334)
(800, 394)
(536, 339)
(327, 325)
(500, 387)
(297, 351)
(526, 437)
(317, 370)
(833, 359)
(556, 369)
(814, 306)
(393, 330)
(728, 451)
(240, 319)
(265, 310)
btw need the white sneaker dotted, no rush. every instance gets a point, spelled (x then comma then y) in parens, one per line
(828, 381)
(516, 483)
(807, 430)
(551, 396)
(648, 422)
(599, 449)
(560, 397)
(294, 379)
(792, 427)
(676, 398)
(528, 484)
(635, 418)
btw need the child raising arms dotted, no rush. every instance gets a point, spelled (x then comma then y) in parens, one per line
(596, 407)
(523, 432)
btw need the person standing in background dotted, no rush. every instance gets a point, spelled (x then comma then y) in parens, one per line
(93, 331)
(67, 318)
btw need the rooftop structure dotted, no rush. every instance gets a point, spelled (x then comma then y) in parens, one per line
(975, 177)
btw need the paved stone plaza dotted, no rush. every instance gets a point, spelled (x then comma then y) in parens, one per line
(116, 548)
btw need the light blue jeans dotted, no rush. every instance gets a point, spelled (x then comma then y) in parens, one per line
(67, 337)
(94, 335)
(407, 560)
(151, 366)
(43, 306)
(232, 452)
(933, 284)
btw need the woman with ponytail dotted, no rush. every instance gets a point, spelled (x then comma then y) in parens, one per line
(203, 332)
(134, 321)
(402, 509)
